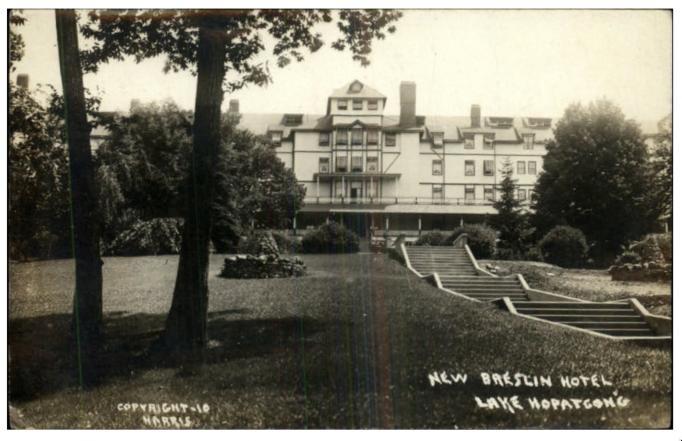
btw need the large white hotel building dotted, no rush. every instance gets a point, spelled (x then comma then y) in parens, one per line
(400, 174)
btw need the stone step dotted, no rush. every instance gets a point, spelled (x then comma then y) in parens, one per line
(625, 332)
(576, 305)
(568, 319)
(574, 311)
(612, 325)
(486, 291)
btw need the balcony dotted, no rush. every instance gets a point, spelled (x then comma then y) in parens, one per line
(346, 200)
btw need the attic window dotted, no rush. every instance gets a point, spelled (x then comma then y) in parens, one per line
(500, 122)
(293, 119)
(355, 87)
(276, 138)
(539, 123)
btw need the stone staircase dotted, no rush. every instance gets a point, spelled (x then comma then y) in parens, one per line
(454, 269)
(614, 319)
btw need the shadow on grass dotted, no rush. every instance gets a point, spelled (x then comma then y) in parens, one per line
(43, 361)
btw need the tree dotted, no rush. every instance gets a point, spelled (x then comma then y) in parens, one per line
(220, 47)
(16, 42)
(596, 178)
(511, 221)
(662, 168)
(88, 293)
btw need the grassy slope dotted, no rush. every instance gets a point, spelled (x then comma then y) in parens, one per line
(348, 346)
(593, 285)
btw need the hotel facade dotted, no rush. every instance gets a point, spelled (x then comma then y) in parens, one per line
(401, 174)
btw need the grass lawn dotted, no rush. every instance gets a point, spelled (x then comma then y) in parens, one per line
(351, 345)
(593, 285)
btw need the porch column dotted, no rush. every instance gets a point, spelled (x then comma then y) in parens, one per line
(343, 186)
(420, 224)
(370, 193)
(318, 187)
(294, 224)
(387, 223)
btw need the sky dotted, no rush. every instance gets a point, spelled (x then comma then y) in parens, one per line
(511, 62)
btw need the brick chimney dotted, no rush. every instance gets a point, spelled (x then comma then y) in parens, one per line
(475, 115)
(22, 81)
(234, 106)
(408, 104)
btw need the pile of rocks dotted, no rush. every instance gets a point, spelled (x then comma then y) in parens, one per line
(642, 272)
(267, 264)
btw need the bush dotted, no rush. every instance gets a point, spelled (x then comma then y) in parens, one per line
(330, 238)
(564, 246)
(628, 257)
(648, 249)
(433, 238)
(150, 237)
(262, 267)
(665, 243)
(481, 239)
(286, 244)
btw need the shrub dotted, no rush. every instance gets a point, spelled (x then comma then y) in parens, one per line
(564, 246)
(481, 239)
(330, 238)
(433, 238)
(665, 243)
(534, 254)
(648, 249)
(628, 257)
(262, 267)
(147, 237)
(286, 244)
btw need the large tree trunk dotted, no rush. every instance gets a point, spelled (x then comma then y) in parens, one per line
(87, 305)
(185, 331)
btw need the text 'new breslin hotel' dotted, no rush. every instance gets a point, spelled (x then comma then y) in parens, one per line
(400, 174)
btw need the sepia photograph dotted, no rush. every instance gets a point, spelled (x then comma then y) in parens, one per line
(339, 218)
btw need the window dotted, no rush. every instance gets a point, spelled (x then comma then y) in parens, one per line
(356, 136)
(469, 192)
(372, 137)
(372, 164)
(469, 168)
(522, 194)
(357, 104)
(341, 164)
(324, 165)
(521, 167)
(324, 138)
(372, 104)
(356, 164)
(532, 168)
(342, 104)
(469, 143)
(488, 167)
(528, 141)
(276, 138)
(438, 139)
(478, 141)
(342, 137)
(488, 193)
(437, 167)
(489, 143)
(390, 139)
(437, 192)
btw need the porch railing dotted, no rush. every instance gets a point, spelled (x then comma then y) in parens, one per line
(345, 200)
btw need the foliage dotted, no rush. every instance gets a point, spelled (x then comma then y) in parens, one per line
(152, 237)
(285, 243)
(510, 221)
(480, 238)
(433, 238)
(330, 238)
(15, 40)
(564, 246)
(39, 222)
(175, 33)
(662, 165)
(597, 178)
(628, 257)
(262, 267)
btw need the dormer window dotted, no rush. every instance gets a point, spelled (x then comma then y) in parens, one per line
(500, 122)
(357, 104)
(528, 141)
(438, 139)
(342, 104)
(355, 87)
(293, 119)
(539, 123)
(489, 142)
(276, 138)
(372, 104)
